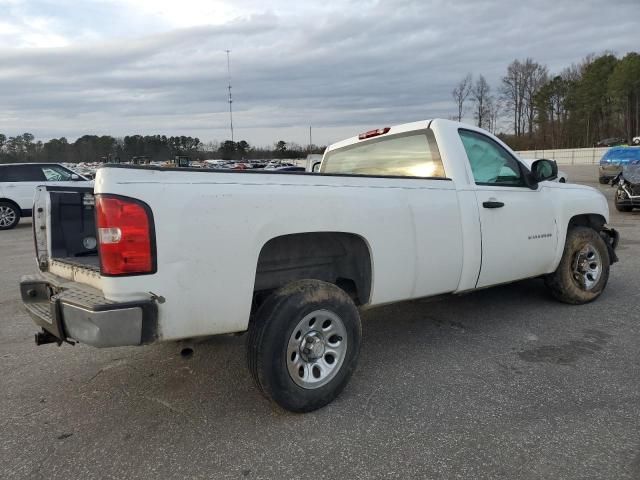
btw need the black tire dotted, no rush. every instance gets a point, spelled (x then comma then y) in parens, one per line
(562, 180)
(272, 330)
(621, 194)
(565, 283)
(9, 215)
(603, 180)
(623, 208)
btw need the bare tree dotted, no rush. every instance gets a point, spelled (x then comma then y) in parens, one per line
(519, 88)
(461, 92)
(481, 96)
(513, 94)
(494, 109)
(535, 76)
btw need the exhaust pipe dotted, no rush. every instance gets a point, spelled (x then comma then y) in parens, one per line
(186, 350)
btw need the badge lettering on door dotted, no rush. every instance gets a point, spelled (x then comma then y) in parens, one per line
(540, 235)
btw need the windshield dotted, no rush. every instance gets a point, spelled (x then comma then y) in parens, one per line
(56, 173)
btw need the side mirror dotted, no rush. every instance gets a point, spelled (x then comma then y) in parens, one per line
(544, 169)
(75, 177)
(316, 167)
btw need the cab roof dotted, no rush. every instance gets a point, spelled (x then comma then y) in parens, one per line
(405, 127)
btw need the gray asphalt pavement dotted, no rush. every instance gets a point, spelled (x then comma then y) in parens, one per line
(501, 383)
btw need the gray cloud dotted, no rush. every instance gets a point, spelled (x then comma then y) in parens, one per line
(340, 68)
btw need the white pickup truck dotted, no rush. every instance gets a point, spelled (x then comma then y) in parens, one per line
(427, 208)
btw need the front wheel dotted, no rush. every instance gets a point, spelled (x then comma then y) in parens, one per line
(584, 268)
(9, 215)
(621, 197)
(303, 344)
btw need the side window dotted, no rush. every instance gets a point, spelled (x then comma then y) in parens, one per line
(22, 173)
(490, 163)
(413, 154)
(55, 173)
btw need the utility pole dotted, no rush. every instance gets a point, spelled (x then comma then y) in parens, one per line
(310, 142)
(230, 99)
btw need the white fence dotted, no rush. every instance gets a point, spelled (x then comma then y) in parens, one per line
(568, 156)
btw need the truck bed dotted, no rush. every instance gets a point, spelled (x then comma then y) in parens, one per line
(64, 226)
(90, 263)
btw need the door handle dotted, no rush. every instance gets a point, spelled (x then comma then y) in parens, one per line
(492, 204)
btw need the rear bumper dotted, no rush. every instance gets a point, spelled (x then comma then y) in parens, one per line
(72, 312)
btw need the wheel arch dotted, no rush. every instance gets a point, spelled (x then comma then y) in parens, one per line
(12, 202)
(592, 220)
(341, 258)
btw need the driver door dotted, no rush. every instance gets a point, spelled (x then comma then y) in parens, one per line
(519, 228)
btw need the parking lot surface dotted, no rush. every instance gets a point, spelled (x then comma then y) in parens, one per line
(501, 383)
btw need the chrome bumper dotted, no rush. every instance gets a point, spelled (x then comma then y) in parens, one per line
(71, 312)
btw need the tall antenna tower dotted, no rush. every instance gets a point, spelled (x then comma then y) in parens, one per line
(230, 99)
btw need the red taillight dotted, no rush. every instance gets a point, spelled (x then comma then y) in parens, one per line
(125, 236)
(373, 133)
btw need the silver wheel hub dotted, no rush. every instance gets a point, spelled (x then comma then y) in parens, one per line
(7, 216)
(312, 347)
(316, 349)
(587, 267)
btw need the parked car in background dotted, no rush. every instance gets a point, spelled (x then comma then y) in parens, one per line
(611, 142)
(562, 176)
(18, 182)
(627, 195)
(614, 159)
(290, 169)
(313, 159)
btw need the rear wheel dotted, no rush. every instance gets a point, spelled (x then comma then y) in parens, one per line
(303, 345)
(584, 268)
(9, 215)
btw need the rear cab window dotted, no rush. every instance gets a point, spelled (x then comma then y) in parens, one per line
(411, 154)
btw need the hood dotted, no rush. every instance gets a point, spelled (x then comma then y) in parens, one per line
(631, 172)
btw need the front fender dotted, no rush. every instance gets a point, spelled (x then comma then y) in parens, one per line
(578, 205)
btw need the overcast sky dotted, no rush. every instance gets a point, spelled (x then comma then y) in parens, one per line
(70, 67)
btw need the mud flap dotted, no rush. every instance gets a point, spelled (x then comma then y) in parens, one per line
(611, 238)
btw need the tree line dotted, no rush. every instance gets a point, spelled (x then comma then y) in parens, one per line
(105, 148)
(578, 106)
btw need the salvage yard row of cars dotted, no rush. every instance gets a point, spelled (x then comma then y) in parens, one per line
(18, 181)
(114, 257)
(620, 166)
